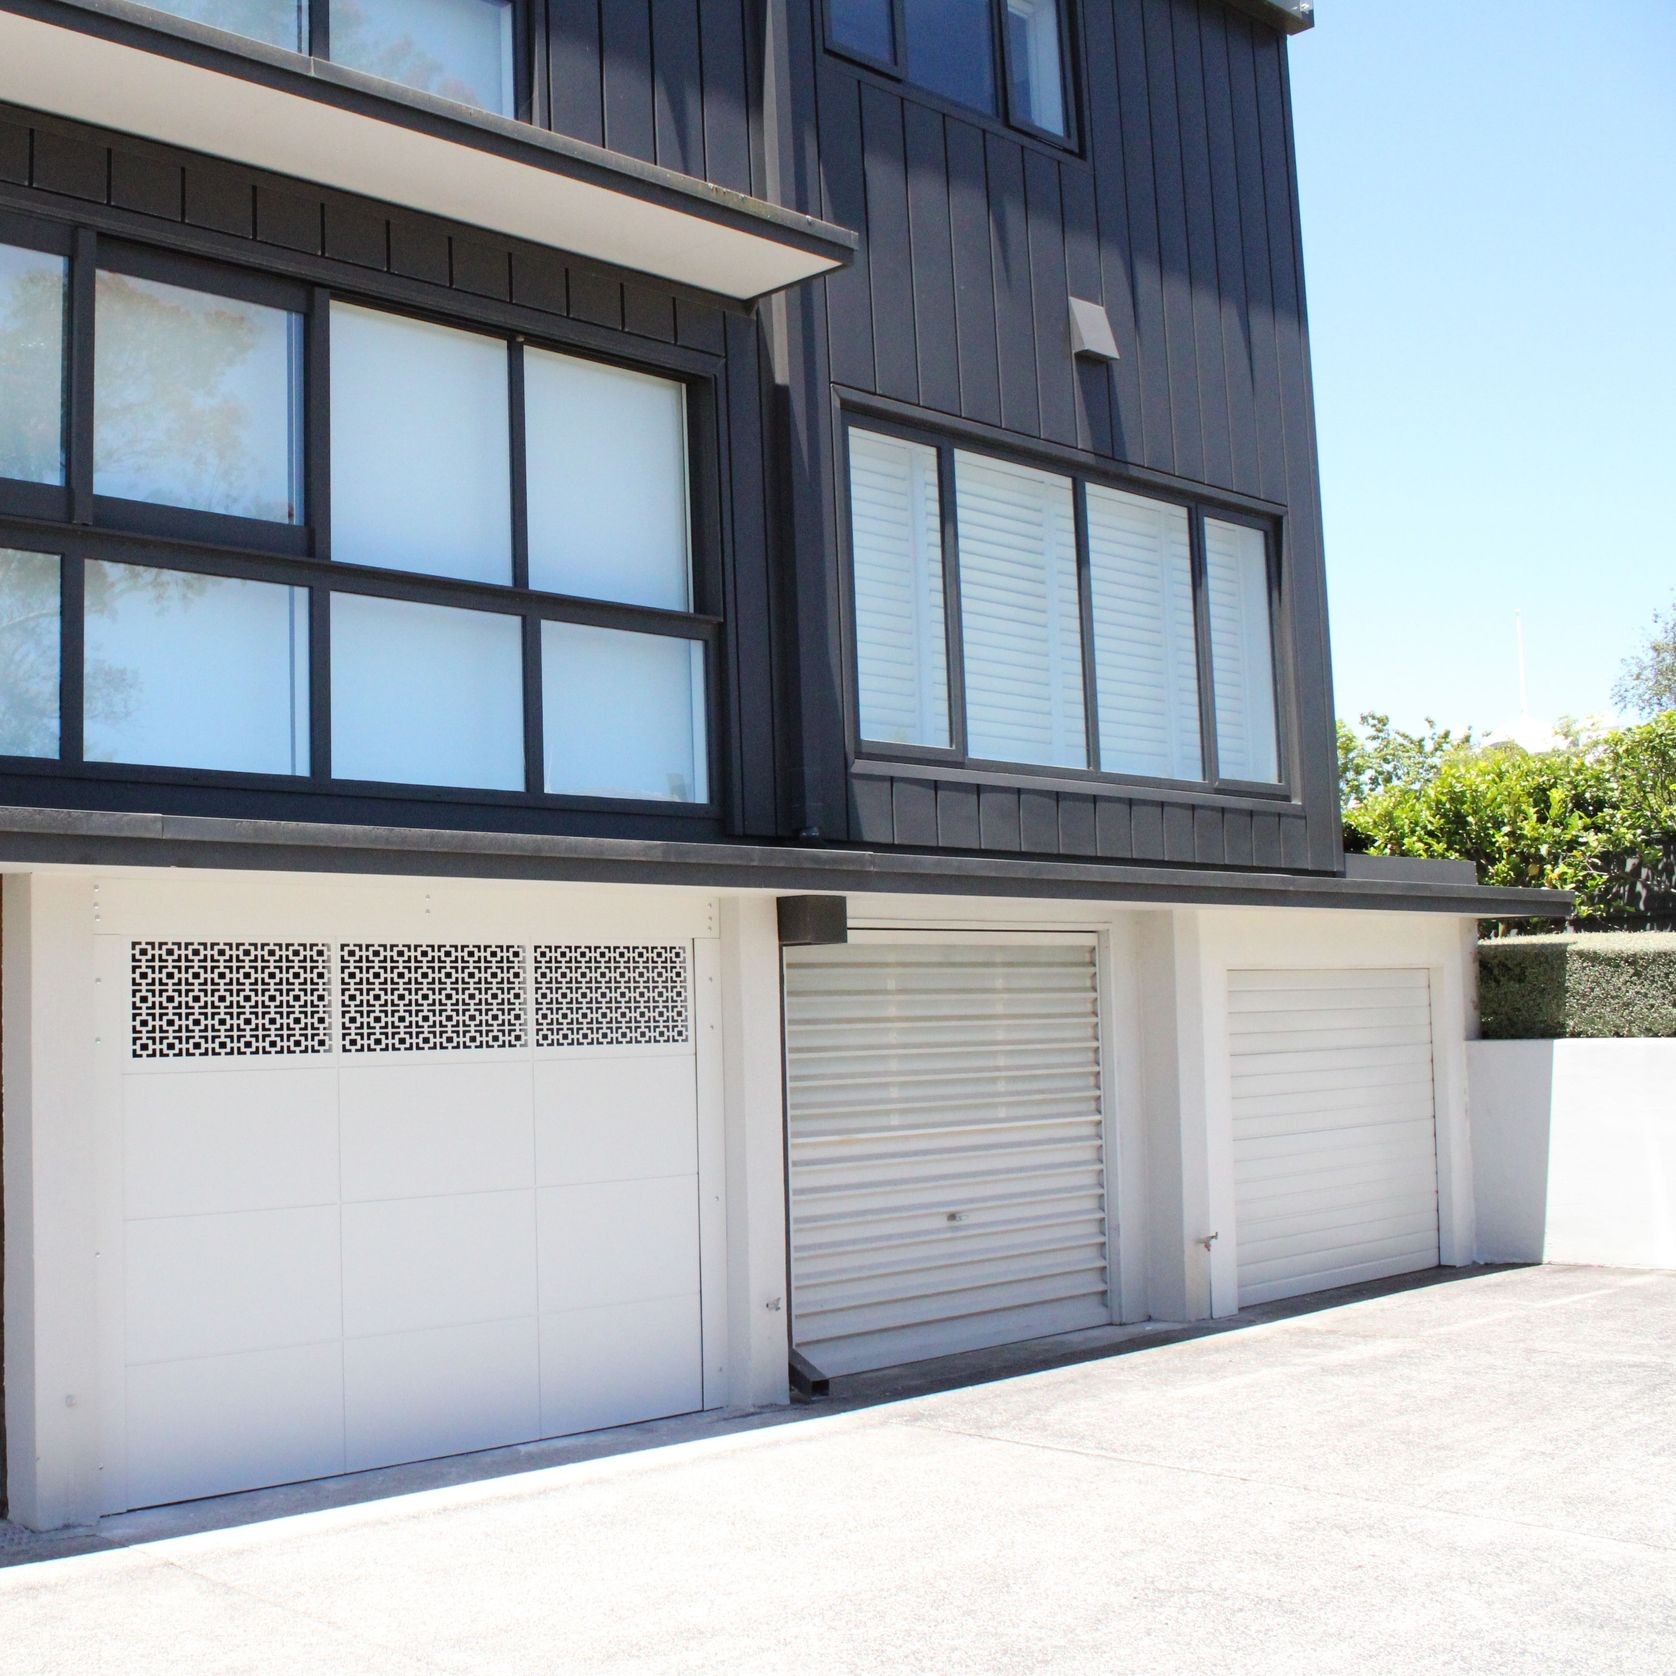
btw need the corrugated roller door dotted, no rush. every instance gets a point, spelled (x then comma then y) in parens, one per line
(1335, 1130)
(947, 1155)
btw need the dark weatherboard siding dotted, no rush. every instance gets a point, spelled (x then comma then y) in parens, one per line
(1180, 216)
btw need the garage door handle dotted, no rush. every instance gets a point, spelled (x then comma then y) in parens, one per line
(958, 1215)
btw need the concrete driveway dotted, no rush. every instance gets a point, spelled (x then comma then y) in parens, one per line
(1475, 1475)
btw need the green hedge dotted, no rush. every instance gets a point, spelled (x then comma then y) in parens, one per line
(1604, 984)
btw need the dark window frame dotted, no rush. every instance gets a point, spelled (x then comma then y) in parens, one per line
(524, 55)
(70, 522)
(1200, 506)
(1001, 51)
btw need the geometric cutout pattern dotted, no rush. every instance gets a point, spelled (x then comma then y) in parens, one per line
(226, 1000)
(419, 997)
(619, 995)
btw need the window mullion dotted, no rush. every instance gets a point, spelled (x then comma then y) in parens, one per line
(317, 424)
(72, 643)
(535, 746)
(320, 28)
(1201, 625)
(518, 456)
(1085, 603)
(954, 627)
(320, 682)
(84, 274)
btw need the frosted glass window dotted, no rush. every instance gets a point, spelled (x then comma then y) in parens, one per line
(1036, 79)
(197, 400)
(421, 447)
(281, 23)
(623, 714)
(29, 654)
(896, 544)
(31, 365)
(456, 49)
(864, 26)
(607, 473)
(951, 49)
(1145, 645)
(1242, 652)
(1020, 614)
(187, 671)
(426, 695)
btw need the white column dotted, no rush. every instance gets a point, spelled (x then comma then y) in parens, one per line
(1180, 1030)
(51, 1178)
(1454, 979)
(756, 1180)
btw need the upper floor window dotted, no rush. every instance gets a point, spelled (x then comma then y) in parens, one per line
(1077, 625)
(1007, 58)
(487, 586)
(457, 49)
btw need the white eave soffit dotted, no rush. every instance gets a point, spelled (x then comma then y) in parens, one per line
(1289, 16)
(116, 66)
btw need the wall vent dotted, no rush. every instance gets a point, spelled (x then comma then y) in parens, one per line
(610, 995)
(229, 1000)
(431, 997)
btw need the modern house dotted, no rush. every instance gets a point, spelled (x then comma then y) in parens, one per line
(664, 697)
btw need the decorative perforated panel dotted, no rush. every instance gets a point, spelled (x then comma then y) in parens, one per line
(610, 996)
(426, 997)
(227, 1000)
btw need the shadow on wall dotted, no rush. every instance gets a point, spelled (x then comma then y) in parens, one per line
(1574, 1151)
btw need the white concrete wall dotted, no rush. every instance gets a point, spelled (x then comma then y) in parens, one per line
(1574, 1151)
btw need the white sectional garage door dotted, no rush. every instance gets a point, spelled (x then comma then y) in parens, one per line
(946, 1131)
(382, 1201)
(1335, 1133)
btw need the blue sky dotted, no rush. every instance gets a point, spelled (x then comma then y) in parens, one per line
(1489, 207)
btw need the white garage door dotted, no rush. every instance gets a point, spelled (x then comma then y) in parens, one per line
(947, 1152)
(1335, 1133)
(388, 1201)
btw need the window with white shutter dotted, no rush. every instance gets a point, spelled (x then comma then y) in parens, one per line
(1021, 621)
(1056, 622)
(896, 541)
(1242, 652)
(1140, 559)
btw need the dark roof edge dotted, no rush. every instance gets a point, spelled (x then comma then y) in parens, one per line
(1290, 16)
(69, 837)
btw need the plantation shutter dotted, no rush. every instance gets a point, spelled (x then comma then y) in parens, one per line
(1242, 652)
(947, 1156)
(1021, 622)
(897, 547)
(1146, 657)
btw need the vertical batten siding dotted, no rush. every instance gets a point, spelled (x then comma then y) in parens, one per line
(1180, 216)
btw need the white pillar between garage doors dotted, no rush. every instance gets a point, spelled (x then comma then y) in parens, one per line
(52, 1280)
(753, 1103)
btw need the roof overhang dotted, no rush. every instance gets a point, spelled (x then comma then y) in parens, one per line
(124, 67)
(73, 837)
(1292, 16)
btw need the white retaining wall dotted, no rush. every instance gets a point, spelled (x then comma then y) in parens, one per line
(1574, 1151)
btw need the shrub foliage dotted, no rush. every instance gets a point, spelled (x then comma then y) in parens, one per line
(1537, 988)
(1565, 820)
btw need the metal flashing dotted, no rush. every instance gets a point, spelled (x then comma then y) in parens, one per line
(71, 837)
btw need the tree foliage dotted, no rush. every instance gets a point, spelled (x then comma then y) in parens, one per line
(1380, 756)
(1564, 820)
(1648, 684)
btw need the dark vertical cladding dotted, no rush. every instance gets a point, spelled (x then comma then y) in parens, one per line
(1179, 214)
(1175, 207)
